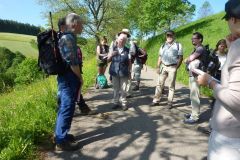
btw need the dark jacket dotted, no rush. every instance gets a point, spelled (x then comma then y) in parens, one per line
(120, 63)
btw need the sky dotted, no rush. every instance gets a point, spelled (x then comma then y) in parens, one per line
(29, 11)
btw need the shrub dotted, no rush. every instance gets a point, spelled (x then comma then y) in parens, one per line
(27, 72)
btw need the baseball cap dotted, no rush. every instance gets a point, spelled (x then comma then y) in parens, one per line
(125, 31)
(170, 32)
(232, 9)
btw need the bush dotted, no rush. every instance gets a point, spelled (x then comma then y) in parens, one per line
(6, 57)
(27, 72)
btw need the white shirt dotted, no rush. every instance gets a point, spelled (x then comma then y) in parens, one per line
(222, 59)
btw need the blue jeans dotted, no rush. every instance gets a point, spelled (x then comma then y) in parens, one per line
(68, 85)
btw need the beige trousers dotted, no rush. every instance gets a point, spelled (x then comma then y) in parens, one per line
(120, 90)
(169, 72)
(194, 97)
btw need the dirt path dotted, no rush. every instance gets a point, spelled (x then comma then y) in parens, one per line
(142, 132)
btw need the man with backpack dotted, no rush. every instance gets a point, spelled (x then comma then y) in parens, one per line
(170, 59)
(139, 61)
(194, 62)
(83, 107)
(69, 82)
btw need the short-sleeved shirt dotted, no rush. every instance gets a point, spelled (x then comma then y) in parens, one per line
(68, 49)
(170, 53)
(201, 50)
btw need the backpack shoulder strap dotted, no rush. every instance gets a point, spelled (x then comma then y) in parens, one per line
(177, 45)
(163, 45)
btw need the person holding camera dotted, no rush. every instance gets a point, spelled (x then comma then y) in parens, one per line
(120, 70)
(224, 141)
(193, 62)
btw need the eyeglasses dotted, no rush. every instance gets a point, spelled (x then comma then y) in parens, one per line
(169, 35)
(195, 38)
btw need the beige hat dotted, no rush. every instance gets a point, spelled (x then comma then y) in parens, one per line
(125, 31)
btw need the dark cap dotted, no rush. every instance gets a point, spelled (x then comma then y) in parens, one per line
(232, 9)
(61, 22)
(125, 31)
(171, 32)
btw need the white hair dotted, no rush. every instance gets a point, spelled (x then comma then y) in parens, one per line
(71, 20)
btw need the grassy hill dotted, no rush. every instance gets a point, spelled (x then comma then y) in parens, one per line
(19, 42)
(213, 29)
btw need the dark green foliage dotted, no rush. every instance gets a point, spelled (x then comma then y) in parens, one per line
(8, 64)
(6, 57)
(16, 27)
(27, 72)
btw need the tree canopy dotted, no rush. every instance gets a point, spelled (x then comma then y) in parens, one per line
(154, 15)
(101, 16)
(107, 17)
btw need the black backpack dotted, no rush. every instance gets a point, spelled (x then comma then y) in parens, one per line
(49, 57)
(209, 62)
(141, 55)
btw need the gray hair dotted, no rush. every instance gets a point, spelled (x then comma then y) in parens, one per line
(72, 19)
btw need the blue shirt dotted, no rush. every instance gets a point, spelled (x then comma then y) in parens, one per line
(68, 49)
(170, 53)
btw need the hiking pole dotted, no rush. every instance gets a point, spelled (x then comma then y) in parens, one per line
(53, 39)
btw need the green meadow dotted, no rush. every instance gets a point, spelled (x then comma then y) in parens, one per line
(19, 42)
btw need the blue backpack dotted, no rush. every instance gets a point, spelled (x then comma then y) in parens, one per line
(102, 81)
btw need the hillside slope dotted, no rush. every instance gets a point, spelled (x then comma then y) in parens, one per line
(213, 29)
(19, 42)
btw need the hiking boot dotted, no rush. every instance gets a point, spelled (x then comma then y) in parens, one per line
(67, 146)
(87, 111)
(115, 106)
(135, 88)
(154, 104)
(70, 138)
(190, 121)
(128, 96)
(169, 106)
(187, 115)
(124, 108)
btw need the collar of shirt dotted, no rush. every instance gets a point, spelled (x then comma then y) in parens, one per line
(120, 50)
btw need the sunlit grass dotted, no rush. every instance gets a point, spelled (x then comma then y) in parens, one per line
(27, 115)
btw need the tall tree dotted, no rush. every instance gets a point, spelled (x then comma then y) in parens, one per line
(205, 10)
(101, 16)
(155, 15)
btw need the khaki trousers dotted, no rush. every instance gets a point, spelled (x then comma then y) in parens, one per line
(194, 97)
(169, 72)
(120, 90)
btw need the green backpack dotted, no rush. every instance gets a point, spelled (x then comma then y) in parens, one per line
(102, 81)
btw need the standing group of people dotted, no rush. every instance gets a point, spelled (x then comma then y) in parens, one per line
(224, 142)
